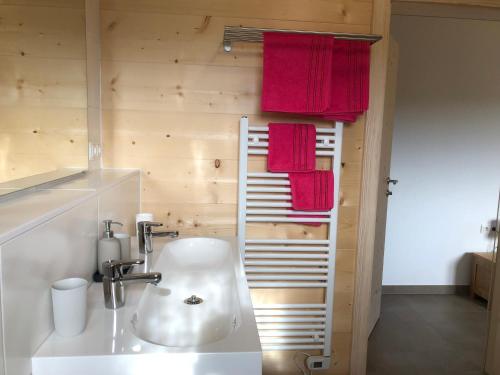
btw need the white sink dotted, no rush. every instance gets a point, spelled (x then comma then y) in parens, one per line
(156, 332)
(199, 267)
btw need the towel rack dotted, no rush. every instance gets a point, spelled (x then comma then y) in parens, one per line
(282, 262)
(254, 35)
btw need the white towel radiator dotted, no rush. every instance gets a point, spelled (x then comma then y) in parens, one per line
(288, 263)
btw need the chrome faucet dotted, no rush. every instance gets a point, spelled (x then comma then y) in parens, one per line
(113, 281)
(145, 237)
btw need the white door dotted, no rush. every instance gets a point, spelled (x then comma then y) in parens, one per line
(385, 183)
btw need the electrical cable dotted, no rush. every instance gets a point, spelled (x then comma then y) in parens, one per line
(304, 370)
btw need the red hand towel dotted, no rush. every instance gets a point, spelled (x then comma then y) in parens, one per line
(296, 72)
(312, 191)
(292, 148)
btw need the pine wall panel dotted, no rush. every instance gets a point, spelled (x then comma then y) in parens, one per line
(42, 87)
(172, 100)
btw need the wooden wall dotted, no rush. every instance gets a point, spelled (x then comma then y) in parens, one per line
(172, 100)
(42, 86)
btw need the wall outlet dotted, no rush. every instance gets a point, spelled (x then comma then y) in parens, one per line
(317, 363)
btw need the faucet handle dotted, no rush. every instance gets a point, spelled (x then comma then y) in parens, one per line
(145, 226)
(150, 223)
(113, 268)
(154, 224)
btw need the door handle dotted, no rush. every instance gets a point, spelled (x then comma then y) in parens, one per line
(388, 192)
(391, 181)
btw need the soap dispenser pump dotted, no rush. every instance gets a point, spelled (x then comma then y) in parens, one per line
(108, 247)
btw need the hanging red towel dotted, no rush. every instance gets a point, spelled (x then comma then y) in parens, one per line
(315, 75)
(292, 148)
(296, 72)
(350, 79)
(312, 191)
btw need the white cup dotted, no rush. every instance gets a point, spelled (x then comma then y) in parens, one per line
(69, 302)
(143, 216)
(124, 239)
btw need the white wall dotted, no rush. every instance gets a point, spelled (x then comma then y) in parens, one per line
(60, 248)
(446, 149)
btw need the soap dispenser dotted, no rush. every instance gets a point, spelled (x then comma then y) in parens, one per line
(108, 247)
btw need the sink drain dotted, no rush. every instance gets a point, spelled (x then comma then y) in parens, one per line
(193, 300)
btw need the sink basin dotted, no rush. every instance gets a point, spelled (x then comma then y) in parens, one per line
(197, 300)
(165, 328)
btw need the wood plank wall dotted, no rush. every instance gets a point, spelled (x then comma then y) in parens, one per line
(43, 102)
(172, 100)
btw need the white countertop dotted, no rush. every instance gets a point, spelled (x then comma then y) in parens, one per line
(107, 332)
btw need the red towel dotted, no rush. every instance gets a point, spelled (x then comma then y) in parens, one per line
(350, 79)
(312, 191)
(296, 72)
(292, 148)
(315, 75)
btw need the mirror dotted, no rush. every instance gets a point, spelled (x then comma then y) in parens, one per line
(43, 91)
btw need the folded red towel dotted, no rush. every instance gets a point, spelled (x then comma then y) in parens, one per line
(350, 78)
(296, 72)
(292, 148)
(312, 191)
(315, 75)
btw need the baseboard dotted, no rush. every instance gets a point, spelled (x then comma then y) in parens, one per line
(426, 289)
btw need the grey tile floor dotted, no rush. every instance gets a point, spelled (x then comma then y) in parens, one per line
(428, 335)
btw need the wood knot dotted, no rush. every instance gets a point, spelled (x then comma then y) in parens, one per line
(217, 163)
(112, 26)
